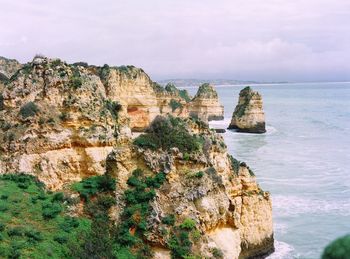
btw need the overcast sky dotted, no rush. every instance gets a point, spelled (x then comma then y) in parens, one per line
(266, 40)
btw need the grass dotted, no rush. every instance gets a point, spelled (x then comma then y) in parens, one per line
(25, 230)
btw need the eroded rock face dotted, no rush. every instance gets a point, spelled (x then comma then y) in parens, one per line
(233, 214)
(8, 67)
(57, 123)
(248, 115)
(205, 105)
(63, 123)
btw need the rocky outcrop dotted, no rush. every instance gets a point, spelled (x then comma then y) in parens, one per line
(205, 105)
(58, 123)
(63, 123)
(232, 213)
(248, 115)
(8, 67)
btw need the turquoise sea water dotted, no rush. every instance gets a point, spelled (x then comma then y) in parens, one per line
(303, 160)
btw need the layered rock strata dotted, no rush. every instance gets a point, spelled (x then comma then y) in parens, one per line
(63, 123)
(248, 115)
(205, 105)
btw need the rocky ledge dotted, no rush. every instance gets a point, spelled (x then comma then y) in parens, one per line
(248, 115)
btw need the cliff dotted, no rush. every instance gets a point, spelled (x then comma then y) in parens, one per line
(248, 115)
(178, 192)
(8, 67)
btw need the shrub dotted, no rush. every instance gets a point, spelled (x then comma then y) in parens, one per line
(61, 239)
(4, 197)
(168, 132)
(217, 253)
(113, 107)
(188, 224)
(68, 224)
(2, 226)
(58, 196)
(29, 110)
(51, 210)
(76, 82)
(338, 249)
(180, 244)
(16, 231)
(92, 185)
(64, 116)
(174, 104)
(169, 220)
(199, 174)
(33, 235)
(3, 207)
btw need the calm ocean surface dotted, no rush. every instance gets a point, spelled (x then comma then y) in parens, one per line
(303, 160)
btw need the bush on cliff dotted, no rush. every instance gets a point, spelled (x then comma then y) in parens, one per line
(29, 110)
(168, 132)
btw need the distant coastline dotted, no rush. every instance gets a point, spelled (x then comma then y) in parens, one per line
(183, 83)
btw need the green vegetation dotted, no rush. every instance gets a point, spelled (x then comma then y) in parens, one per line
(93, 185)
(206, 91)
(130, 233)
(169, 220)
(338, 249)
(25, 231)
(113, 107)
(188, 224)
(168, 132)
(184, 95)
(3, 78)
(28, 110)
(217, 253)
(171, 88)
(234, 164)
(76, 80)
(174, 104)
(180, 243)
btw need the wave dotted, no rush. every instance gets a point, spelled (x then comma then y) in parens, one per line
(295, 206)
(282, 251)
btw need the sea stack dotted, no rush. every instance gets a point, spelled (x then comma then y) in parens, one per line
(248, 115)
(205, 105)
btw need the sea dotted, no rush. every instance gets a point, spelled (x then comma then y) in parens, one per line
(303, 160)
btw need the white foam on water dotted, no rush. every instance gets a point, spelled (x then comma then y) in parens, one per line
(222, 124)
(294, 206)
(282, 251)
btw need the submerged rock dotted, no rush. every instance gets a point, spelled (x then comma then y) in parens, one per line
(248, 115)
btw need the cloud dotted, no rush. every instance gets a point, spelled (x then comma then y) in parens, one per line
(262, 40)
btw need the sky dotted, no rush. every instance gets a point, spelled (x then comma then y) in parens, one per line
(263, 40)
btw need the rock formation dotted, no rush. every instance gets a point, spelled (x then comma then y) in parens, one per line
(205, 105)
(63, 123)
(8, 67)
(248, 115)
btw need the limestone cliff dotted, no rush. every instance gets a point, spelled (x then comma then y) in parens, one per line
(63, 123)
(248, 115)
(57, 122)
(205, 105)
(8, 67)
(232, 213)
